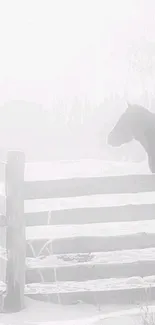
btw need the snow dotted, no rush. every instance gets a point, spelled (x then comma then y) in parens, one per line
(90, 230)
(82, 168)
(113, 257)
(92, 285)
(40, 313)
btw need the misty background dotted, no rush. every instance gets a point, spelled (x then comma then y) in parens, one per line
(67, 69)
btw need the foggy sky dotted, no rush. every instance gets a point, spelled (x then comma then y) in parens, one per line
(62, 49)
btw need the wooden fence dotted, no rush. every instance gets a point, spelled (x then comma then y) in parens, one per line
(96, 263)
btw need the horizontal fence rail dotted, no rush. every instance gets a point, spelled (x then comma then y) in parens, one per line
(101, 254)
(74, 253)
(88, 186)
(98, 265)
(124, 213)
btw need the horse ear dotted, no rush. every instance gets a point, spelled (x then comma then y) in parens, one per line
(129, 105)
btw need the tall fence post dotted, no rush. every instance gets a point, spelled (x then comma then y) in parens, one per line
(15, 236)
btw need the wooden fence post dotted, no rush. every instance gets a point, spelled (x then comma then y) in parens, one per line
(15, 236)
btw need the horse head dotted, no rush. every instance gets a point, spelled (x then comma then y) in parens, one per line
(136, 123)
(122, 132)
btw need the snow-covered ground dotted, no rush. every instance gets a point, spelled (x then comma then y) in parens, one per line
(40, 313)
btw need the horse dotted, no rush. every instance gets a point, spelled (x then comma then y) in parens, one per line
(136, 123)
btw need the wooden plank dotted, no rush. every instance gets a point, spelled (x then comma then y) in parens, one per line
(123, 291)
(36, 218)
(91, 266)
(135, 296)
(55, 232)
(89, 244)
(15, 240)
(85, 272)
(124, 213)
(107, 291)
(89, 238)
(88, 186)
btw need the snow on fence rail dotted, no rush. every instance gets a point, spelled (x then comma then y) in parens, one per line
(97, 266)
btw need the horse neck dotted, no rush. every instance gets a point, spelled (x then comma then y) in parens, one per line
(145, 136)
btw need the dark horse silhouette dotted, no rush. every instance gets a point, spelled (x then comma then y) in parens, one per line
(136, 123)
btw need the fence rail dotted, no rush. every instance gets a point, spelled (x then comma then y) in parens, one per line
(88, 186)
(80, 259)
(122, 213)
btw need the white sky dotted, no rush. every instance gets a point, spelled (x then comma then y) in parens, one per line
(67, 48)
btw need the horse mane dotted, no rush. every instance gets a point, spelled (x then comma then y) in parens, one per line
(138, 108)
(142, 113)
